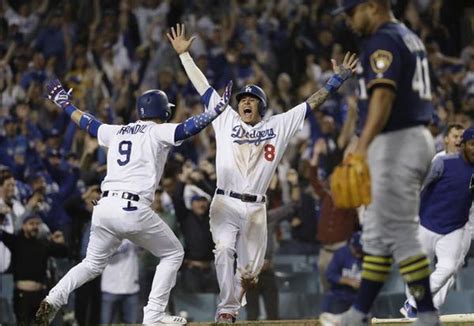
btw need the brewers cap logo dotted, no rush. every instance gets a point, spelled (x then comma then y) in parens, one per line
(380, 61)
(248, 89)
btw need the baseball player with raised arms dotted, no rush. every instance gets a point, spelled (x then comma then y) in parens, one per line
(444, 212)
(248, 152)
(136, 157)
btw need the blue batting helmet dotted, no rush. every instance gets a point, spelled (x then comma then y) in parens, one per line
(154, 104)
(257, 92)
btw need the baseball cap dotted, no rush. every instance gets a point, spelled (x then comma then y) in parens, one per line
(53, 153)
(468, 134)
(10, 119)
(198, 197)
(53, 133)
(30, 216)
(344, 5)
(355, 240)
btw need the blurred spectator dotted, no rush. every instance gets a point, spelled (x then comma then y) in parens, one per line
(344, 275)
(335, 226)
(192, 212)
(120, 286)
(29, 264)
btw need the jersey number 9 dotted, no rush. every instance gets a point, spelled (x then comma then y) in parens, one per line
(125, 149)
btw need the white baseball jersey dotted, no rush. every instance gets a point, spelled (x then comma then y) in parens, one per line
(137, 155)
(247, 156)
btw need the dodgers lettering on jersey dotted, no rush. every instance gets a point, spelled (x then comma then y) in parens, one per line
(447, 198)
(395, 57)
(136, 155)
(247, 156)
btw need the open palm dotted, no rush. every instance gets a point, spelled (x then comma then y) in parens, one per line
(178, 39)
(347, 67)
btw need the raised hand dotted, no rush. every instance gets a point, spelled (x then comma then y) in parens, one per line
(224, 102)
(178, 39)
(347, 67)
(56, 93)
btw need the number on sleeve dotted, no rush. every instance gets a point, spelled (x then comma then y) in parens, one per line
(421, 79)
(269, 152)
(125, 148)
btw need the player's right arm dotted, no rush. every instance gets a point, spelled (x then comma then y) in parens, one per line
(181, 45)
(58, 95)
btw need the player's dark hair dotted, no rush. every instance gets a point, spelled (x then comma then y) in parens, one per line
(455, 126)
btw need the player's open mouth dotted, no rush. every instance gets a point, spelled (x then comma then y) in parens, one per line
(247, 112)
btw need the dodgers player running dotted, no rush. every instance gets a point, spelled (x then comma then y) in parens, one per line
(444, 212)
(395, 106)
(135, 161)
(248, 152)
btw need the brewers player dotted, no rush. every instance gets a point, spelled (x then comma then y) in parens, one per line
(136, 156)
(248, 152)
(395, 106)
(444, 212)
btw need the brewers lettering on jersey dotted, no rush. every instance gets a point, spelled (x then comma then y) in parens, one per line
(136, 157)
(395, 106)
(249, 148)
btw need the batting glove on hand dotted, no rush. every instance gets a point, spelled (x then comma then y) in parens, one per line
(57, 94)
(222, 105)
(342, 72)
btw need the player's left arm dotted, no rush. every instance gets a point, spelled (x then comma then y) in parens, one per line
(380, 106)
(58, 95)
(342, 72)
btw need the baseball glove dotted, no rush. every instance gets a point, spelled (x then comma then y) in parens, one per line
(350, 183)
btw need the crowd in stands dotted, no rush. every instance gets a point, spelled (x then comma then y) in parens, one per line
(110, 51)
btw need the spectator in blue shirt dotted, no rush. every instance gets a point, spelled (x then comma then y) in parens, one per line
(344, 275)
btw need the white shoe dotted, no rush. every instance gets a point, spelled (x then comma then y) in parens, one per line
(328, 319)
(170, 320)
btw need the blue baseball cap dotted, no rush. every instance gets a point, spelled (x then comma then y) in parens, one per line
(356, 241)
(468, 134)
(31, 216)
(344, 5)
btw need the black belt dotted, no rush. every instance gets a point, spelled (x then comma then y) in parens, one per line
(243, 197)
(125, 195)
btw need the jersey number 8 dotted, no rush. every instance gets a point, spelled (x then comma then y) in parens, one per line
(269, 152)
(125, 148)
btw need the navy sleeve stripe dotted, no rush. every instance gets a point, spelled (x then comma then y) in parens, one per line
(308, 110)
(206, 97)
(382, 81)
